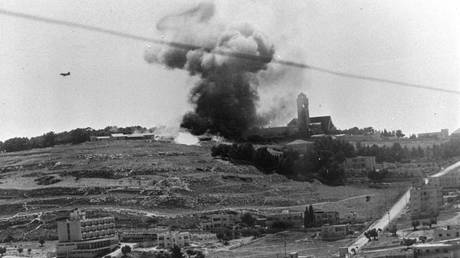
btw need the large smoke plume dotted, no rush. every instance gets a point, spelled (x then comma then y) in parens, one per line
(226, 59)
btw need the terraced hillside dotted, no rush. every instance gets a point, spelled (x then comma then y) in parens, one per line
(162, 177)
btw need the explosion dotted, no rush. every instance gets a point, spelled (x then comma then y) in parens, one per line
(226, 59)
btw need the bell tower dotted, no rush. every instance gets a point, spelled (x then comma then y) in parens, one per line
(303, 116)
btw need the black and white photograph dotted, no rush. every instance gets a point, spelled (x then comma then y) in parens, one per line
(229, 128)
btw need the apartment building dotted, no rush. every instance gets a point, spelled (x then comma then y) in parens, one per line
(425, 201)
(81, 237)
(171, 238)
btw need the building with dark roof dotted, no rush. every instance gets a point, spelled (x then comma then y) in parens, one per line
(302, 126)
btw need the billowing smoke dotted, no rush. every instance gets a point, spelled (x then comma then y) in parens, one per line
(227, 60)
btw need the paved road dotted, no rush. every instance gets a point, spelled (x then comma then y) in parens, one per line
(384, 221)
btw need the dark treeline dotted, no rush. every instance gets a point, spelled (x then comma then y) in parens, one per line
(370, 130)
(324, 162)
(74, 136)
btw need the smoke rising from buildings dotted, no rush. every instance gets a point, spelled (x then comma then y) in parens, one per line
(225, 98)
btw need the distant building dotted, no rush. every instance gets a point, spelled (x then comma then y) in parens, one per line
(334, 232)
(317, 218)
(219, 221)
(301, 146)
(443, 134)
(425, 202)
(121, 136)
(302, 126)
(143, 238)
(326, 217)
(447, 232)
(303, 115)
(435, 250)
(295, 219)
(170, 239)
(81, 237)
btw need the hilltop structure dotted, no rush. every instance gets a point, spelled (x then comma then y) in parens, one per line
(302, 126)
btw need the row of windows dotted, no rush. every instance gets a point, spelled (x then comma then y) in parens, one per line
(98, 227)
(457, 234)
(94, 245)
(97, 221)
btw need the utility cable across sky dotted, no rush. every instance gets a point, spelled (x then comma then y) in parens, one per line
(224, 53)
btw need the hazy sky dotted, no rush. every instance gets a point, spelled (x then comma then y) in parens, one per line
(111, 84)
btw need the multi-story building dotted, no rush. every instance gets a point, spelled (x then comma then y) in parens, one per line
(295, 219)
(170, 239)
(82, 237)
(425, 202)
(334, 232)
(143, 238)
(436, 250)
(326, 217)
(448, 232)
(218, 221)
(444, 133)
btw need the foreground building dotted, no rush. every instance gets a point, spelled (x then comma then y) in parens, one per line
(425, 202)
(81, 237)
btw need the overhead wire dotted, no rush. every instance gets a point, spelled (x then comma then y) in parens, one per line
(224, 53)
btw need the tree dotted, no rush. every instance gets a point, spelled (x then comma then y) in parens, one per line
(20, 250)
(49, 139)
(2, 250)
(79, 135)
(16, 144)
(29, 250)
(8, 239)
(176, 252)
(41, 242)
(248, 219)
(415, 224)
(399, 134)
(393, 229)
(126, 250)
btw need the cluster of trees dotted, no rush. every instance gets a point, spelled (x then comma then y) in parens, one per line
(74, 136)
(372, 234)
(369, 130)
(324, 163)
(397, 153)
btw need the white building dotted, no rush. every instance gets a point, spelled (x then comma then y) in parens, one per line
(448, 232)
(425, 201)
(80, 237)
(219, 221)
(170, 239)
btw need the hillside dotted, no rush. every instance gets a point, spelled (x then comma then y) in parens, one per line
(163, 177)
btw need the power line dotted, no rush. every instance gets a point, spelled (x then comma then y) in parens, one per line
(224, 53)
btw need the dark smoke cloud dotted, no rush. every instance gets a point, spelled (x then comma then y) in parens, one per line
(226, 95)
